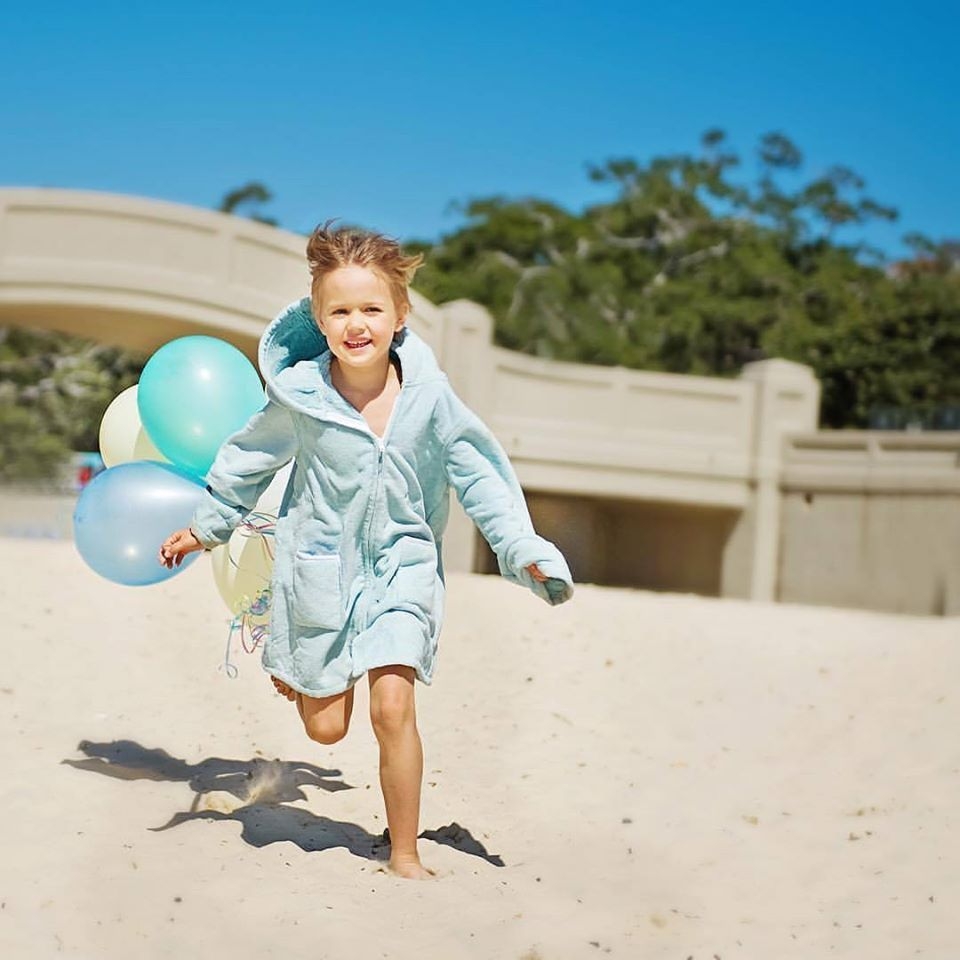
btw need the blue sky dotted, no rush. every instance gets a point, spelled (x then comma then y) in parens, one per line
(385, 113)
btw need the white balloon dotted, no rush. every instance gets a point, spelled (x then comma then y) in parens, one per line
(122, 434)
(272, 497)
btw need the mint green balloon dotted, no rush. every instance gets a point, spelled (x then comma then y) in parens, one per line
(195, 392)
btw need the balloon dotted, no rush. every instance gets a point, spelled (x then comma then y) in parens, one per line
(272, 497)
(122, 435)
(126, 512)
(194, 393)
(243, 567)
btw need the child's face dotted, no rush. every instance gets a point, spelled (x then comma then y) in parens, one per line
(358, 317)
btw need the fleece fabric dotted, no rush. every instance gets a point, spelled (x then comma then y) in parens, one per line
(358, 573)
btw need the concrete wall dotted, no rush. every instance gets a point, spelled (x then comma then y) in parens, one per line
(633, 543)
(675, 477)
(662, 460)
(647, 479)
(872, 519)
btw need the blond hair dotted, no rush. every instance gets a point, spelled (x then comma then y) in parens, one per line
(327, 250)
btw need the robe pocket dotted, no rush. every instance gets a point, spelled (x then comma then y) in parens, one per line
(316, 590)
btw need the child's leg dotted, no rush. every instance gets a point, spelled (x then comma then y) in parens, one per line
(393, 715)
(326, 719)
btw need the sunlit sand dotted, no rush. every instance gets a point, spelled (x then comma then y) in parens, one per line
(630, 774)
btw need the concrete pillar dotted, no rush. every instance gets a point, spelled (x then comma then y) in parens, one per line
(467, 359)
(786, 400)
(467, 353)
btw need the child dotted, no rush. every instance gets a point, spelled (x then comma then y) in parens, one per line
(377, 437)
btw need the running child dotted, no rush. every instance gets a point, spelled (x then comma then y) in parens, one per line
(378, 438)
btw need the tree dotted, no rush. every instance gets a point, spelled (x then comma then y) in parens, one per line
(689, 270)
(54, 390)
(250, 194)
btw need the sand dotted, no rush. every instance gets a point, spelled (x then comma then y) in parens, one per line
(659, 776)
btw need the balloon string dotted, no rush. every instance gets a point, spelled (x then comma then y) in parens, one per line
(262, 525)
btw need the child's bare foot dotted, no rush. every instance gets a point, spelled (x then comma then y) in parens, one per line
(284, 689)
(410, 868)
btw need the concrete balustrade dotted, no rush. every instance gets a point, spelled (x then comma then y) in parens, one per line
(645, 479)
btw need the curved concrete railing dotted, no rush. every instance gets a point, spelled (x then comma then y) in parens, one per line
(138, 272)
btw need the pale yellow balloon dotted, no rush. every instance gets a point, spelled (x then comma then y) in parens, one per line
(243, 567)
(122, 435)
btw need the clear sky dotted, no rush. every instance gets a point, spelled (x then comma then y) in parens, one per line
(385, 113)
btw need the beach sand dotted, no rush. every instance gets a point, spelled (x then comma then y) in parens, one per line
(658, 776)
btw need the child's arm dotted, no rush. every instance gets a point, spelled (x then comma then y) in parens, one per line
(481, 473)
(244, 466)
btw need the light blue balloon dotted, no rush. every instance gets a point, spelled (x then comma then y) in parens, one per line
(193, 393)
(126, 512)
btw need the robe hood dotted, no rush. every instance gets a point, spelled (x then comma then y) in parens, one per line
(292, 350)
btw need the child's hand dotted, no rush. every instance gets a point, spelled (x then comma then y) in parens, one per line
(537, 574)
(177, 546)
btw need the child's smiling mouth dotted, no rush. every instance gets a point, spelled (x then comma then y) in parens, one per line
(356, 344)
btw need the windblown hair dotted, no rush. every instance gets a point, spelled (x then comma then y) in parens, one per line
(329, 249)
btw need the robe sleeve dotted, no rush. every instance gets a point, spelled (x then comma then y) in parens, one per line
(486, 485)
(244, 466)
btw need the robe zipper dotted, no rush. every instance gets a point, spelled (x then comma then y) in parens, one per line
(381, 443)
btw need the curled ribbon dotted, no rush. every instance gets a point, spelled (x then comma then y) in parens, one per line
(252, 634)
(246, 611)
(262, 525)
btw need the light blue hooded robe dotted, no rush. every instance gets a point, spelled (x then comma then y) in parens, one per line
(358, 574)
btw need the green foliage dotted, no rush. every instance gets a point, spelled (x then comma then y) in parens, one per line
(54, 390)
(902, 355)
(250, 196)
(28, 451)
(688, 270)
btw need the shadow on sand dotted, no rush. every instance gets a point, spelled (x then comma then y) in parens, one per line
(254, 793)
